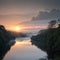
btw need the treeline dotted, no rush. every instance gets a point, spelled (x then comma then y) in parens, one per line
(5, 36)
(5, 41)
(49, 41)
(17, 34)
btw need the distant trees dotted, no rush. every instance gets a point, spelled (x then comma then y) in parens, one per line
(42, 59)
(52, 24)
(58, 22)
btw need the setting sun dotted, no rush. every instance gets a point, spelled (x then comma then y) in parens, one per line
(17, 28)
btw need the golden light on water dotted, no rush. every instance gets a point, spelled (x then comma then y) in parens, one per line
(25, 42)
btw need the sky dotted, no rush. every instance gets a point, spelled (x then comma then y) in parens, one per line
(28, 15)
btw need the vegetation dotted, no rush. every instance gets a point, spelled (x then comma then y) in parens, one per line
(5, 38)
(49, 41)
(42, 59)
(17, 34)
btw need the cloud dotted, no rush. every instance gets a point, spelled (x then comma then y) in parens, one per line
(47, 15)
(29, 4)
(33, 26)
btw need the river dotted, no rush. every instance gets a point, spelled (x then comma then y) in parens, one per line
(24, 50)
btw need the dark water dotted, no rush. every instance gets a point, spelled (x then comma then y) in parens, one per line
(24, 50)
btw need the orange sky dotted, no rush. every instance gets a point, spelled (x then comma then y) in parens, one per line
(16, 15)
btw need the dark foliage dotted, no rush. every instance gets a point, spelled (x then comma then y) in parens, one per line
(49, 41)
(5, 38)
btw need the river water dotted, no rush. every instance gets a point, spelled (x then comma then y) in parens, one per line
(24, 50)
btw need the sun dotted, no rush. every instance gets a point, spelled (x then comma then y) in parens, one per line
(17, 28)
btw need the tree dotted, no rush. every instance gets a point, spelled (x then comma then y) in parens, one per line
(58, 21)
(52, 24)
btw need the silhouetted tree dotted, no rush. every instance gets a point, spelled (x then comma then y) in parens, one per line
(58, 21)
(5, 38)
(52, 24)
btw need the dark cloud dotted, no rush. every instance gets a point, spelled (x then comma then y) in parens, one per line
(27, 6)
(35, 3)
(46, 15)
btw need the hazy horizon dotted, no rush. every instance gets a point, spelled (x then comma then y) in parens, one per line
(28, 15)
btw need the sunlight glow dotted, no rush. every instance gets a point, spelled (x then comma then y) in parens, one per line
(25, 42)
(17, 28)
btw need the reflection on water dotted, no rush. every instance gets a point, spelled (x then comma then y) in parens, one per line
(25, 42)
(23, 50)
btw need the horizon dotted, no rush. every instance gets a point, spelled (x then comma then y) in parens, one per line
(27, 15)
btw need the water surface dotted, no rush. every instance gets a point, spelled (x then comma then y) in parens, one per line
(24, 50)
